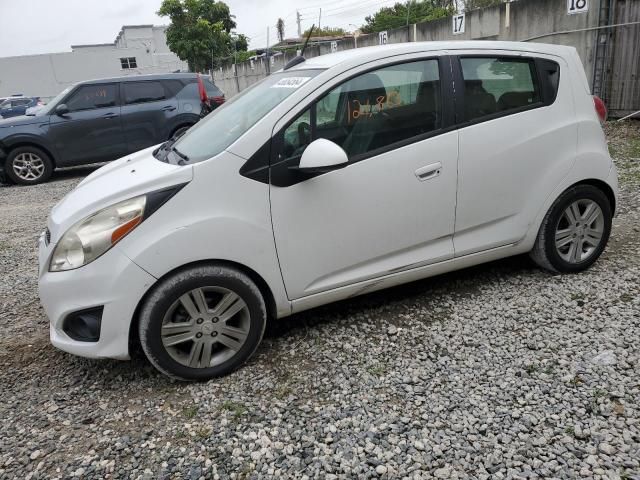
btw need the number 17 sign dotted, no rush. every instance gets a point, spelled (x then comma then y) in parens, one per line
(458, 24)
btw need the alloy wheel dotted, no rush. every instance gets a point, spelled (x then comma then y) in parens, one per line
(28, 166)
(579, 231)
(205, 327)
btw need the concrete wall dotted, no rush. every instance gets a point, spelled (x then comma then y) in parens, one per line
(48, 74)
(515, 21)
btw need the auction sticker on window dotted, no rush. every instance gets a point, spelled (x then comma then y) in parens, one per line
(290, 82)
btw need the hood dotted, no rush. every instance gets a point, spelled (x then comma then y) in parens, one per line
(125, 178)
(23, 120)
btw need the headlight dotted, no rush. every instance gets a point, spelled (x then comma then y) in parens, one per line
(93, 236)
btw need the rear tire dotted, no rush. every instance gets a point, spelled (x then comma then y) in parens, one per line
(202, 322)
(28, 166)
(575, 230)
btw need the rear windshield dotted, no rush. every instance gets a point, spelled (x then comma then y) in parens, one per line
(226, 124)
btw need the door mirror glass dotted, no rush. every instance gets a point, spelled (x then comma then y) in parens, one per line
(62, 109)
(322, 155)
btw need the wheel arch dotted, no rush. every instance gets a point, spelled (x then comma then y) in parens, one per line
(600, 185)
(28, 143)
(180, 125)
(263, 286)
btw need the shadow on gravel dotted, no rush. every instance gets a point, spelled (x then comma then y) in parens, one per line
(466, 282)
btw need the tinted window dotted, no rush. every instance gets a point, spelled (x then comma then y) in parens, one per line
(172, 86)
(140, 92)
(92, 96)
(372, 111)
(493, 85)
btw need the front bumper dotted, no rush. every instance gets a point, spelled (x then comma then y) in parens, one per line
(112, 281)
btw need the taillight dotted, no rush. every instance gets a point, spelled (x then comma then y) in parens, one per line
(601, 108)
(217, 100)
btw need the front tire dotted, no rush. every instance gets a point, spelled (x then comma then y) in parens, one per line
(575, 230)
(28, 166)
(202, 322)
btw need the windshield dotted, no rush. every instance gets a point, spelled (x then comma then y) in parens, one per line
(52, 103)
(226, 124)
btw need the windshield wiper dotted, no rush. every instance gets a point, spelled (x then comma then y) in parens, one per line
(180, 154)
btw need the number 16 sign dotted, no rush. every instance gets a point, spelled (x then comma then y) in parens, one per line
(458, 24)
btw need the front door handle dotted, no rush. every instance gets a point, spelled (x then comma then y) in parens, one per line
(110, 115)
(429, 171)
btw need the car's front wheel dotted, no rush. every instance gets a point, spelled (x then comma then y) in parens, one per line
(574, 231)
(202, 322)
(28, 166)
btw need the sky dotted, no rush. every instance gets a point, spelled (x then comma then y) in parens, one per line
(46, 26)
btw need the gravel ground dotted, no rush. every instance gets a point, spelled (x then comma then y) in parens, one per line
(500, 371)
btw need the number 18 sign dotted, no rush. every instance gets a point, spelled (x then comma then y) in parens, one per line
(577, 6)
(458, 24)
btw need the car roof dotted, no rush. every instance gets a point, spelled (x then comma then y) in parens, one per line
(137, 78)
(366, 54)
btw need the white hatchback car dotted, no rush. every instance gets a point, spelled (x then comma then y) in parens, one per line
(340, 175)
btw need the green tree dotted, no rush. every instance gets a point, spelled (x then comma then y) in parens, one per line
(325, 32)
(200, 32)
(388, 18)
(280, 29)
(474, 4)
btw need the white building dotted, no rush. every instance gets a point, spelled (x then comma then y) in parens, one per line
(138, 49)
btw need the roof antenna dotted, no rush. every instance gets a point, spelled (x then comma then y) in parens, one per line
(300, 58)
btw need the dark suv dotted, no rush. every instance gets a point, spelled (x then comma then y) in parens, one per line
(101, 120)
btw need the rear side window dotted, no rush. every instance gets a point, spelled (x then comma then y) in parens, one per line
(172, 86)
(142, 92)
(88, 97)
(495, 85)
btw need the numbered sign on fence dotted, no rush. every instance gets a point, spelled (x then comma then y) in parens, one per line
(334, 47)
(382, 38)
(458, 24)
(577, 6)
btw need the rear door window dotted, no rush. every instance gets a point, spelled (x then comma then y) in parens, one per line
(88, 97)
(142, 92)
(495, 85)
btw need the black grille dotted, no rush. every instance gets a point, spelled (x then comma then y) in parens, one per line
(47, 236)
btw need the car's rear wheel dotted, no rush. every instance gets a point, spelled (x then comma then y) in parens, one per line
(575, 231)
(28, 166)
(202, 322)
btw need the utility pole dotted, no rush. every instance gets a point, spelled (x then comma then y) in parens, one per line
(298, 20)
(268, 59)
(319, 18)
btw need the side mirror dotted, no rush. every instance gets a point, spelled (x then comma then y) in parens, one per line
(321, 156)
(62, 109)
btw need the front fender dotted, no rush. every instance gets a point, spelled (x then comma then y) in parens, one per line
(36, 139)
(220, 215)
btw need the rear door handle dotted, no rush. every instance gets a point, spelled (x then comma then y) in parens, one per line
(169, 108)
(110, 115)
(428, 171)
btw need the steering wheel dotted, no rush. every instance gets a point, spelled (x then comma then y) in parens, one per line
(304, 134)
